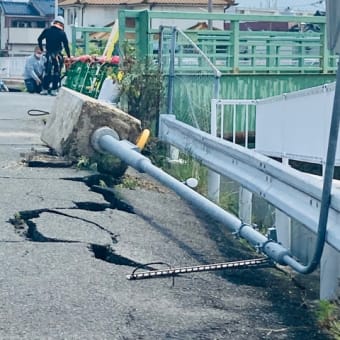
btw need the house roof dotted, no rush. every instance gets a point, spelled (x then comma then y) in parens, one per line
(202, 26)
(44, 7)
(146, 2)
(29, 8)
(18, 8)
(102, 35)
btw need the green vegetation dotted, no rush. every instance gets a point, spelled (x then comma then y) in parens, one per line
(328, 317)
(129, 183)
(102, 183)
(188, 167)
(84, 163)
(95, 48)
(142, 88)
(185, 168)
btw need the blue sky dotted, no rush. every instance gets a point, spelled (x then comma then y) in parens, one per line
(308, 5)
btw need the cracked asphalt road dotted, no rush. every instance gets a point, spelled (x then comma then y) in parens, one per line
(64, 265)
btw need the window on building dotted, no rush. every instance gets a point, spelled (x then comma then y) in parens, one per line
(71, 17)
(21, 24)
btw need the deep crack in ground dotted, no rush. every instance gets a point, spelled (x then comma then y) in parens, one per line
(25, 227)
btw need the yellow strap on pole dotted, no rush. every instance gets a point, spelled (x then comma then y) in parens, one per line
(142, 139)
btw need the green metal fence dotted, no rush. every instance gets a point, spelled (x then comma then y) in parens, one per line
(254, 64)
(235, 50)
(81, 37)
(232, 49)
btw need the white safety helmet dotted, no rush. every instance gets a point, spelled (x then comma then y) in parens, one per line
(59, 19)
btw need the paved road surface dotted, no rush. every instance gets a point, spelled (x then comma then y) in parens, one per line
(64, 263)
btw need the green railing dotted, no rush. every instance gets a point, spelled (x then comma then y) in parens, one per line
(233, 50)
(81, 37)
(254, 64)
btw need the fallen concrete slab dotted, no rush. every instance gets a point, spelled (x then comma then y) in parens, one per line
(74, 118)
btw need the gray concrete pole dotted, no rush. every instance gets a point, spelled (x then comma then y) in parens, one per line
(55, 8)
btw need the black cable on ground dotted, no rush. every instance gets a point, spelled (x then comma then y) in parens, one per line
(36, 112)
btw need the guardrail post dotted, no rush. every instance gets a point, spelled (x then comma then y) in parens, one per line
(283, 228)
(214, 179)
(329, 273)
(245, 205)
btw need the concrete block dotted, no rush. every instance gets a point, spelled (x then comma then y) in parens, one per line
(73, 119)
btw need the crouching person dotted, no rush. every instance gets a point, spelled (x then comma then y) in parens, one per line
(33, 72)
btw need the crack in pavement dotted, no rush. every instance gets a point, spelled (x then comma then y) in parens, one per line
(25, 227)
(95, 179)
(107, 254)
(25, 215)
(28, 229)
(111, 196)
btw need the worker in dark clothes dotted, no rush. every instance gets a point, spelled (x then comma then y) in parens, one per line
(56, 41)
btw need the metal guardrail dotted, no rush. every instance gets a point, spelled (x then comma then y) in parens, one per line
(232, 113)
(106, 140)
(295, 193)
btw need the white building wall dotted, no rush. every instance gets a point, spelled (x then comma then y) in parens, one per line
(296, 125)
(182, 24)
(24, 35)
(100, 16)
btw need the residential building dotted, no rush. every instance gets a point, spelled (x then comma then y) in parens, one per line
(21, 22)
(86, 13)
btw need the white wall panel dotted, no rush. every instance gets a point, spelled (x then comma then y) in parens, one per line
(296, 125)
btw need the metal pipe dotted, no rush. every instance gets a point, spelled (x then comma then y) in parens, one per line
(105, 140)
(171, 72)
(327, 180)
(160, 48)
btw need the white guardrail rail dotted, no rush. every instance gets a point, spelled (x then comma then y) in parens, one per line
(295, 193)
